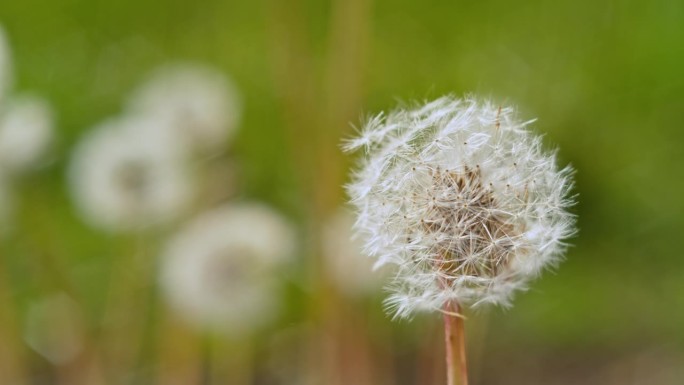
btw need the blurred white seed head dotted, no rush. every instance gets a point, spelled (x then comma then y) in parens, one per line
(54, 328)
(26, 131)
(220, 271)
(461, 196)
(5, 65)
(122, 178)
(201, 104)
(348, 268)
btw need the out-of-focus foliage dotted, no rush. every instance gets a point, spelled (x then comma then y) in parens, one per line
(604, 79)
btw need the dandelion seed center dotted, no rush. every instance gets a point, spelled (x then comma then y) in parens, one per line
(474, 238)
(229, 270)
(133, 178)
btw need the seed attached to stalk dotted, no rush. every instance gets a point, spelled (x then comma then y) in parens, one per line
(464, 200)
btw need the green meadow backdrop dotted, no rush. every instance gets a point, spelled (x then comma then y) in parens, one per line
(603, 78)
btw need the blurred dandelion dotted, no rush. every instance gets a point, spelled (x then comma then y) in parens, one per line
(124, 177)
(349, 269)
(200, 103)
(461, 196)
(26, 122)
(220, 271)
(54, 328)
(26, 131)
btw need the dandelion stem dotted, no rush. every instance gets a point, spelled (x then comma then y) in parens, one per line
(454, 336)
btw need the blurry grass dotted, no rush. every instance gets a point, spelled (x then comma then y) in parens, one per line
(604, 78)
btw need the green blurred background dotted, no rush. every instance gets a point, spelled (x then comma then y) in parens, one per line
(604, 78)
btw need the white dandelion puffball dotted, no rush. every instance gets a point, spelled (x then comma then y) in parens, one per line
(202, 103)
(462, 197)
(26, 131)
(5, 65)
(55, 328)
(348, 268)
(220, 271)
(124, 179)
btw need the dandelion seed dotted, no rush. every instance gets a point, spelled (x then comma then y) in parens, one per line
(199, 103)
(462, 198)
(26, 131)
(219, 272)
(54, 328)
(122, 178)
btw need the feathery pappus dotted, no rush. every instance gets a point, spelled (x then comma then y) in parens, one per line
(200, 104)
(26, 131)
(462, 197)
(126, 177)
(219, 271)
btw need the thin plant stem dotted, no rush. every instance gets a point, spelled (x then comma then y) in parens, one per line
(12, 365)
(179, 354)
(124, 329)
(231, 361)
(454, 336)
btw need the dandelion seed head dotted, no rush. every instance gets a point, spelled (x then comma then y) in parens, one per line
(220, 271)
(460, 195)
(26, 131)
(124, 179)
(54, 328)
(200, 104)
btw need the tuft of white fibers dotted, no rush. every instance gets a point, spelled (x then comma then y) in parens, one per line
(201, 104)
(348, 268)
(26, 131)
(220, 272)
(5, 64)
(461, 196)
(54, 328)
(123, 178)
